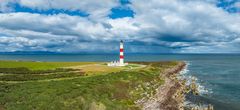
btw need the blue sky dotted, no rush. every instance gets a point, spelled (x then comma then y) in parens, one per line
(146, 26)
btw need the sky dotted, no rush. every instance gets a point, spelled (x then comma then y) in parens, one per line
(97, 26)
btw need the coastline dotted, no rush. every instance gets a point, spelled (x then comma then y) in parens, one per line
(170, 95)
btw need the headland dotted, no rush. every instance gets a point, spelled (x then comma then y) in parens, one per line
(91, 86)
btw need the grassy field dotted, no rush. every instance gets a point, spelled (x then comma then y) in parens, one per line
(40, 65)
(114, 89)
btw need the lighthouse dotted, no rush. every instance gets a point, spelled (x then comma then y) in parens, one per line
(120, 62)
(121, 56)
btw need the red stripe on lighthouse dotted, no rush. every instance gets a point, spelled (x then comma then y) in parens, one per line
(121, 56)
(121, 50)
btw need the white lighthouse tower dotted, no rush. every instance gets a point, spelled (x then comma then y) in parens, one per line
(120, 62)
(121, 57)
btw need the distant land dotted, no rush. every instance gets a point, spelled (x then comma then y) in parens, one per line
(99, 53)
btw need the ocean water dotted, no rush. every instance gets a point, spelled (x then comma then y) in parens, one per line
(218, 76)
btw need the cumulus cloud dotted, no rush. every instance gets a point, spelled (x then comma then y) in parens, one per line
(15, 43)
(51, 32)
(183, 26)
(96, 8)
(187, 22)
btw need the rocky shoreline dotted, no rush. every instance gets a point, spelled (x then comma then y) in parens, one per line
(171, 95)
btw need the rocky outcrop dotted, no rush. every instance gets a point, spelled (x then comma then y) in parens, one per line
(170, 95)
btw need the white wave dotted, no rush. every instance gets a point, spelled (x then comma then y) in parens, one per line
(203, 90)
(186, 75)
(190, 104)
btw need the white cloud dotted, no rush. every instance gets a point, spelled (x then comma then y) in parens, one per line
(16, 43)
(157, 26)
(96, 8)
(191, 21)
(57, 31)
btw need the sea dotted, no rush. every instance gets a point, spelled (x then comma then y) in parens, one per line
(217, 75)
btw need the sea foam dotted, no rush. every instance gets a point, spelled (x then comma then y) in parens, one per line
(185, 74)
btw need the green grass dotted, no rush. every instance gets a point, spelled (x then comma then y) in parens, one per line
(40, 65)
(113, 91)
